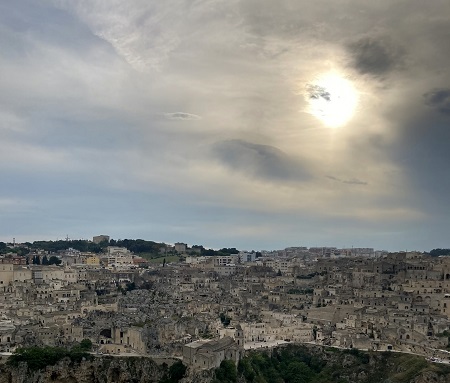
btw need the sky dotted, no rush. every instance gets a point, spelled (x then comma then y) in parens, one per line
(253, 124)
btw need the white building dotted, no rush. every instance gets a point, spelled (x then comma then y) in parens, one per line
(246, 257)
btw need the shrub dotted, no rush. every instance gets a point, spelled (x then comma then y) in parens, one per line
(40, 357)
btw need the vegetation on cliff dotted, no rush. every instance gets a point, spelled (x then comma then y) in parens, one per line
(41, 357)
(105, 369)
(174, 373)
(300, 364)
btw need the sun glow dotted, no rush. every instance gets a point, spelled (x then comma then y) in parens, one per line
(332, 99)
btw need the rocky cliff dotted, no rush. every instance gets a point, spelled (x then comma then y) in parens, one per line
(310, 364)
(99, 370)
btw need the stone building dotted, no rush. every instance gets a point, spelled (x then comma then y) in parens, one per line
(209, 354)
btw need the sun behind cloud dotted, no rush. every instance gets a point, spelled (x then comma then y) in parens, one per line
(332, 99)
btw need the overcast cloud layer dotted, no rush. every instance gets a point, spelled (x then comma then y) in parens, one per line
(188, 121)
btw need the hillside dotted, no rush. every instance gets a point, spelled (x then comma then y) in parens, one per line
(289, 364)
(95, 370)
(310, 364)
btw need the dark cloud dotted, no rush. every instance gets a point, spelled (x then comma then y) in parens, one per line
(261, 161)
(351, 181)
(182, 116)
(376, 57)
(421, 151)
(317, 92)
(439, 99)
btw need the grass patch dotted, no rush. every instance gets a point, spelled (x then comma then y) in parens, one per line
(149, 256)
(409, 367)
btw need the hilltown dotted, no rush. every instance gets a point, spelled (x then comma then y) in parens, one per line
(205, 309)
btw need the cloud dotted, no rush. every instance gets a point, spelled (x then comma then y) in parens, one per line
(260, 161)
(439, 99)
(182, 116)
(351, 181)
(143, 34)
(354, 181)
(317, 92)
(375, 56)
(13, 204)
(86, 86)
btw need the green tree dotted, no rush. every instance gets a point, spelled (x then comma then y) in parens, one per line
(226, 373)
(175, 373)
(231, 250)
(224, 319)
(439, 252)
(298, 372)
(54, 260)
(86, 345)
(41, 357)
(245, 368)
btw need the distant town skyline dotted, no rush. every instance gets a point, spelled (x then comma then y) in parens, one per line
(243, 123)
(95, 239)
